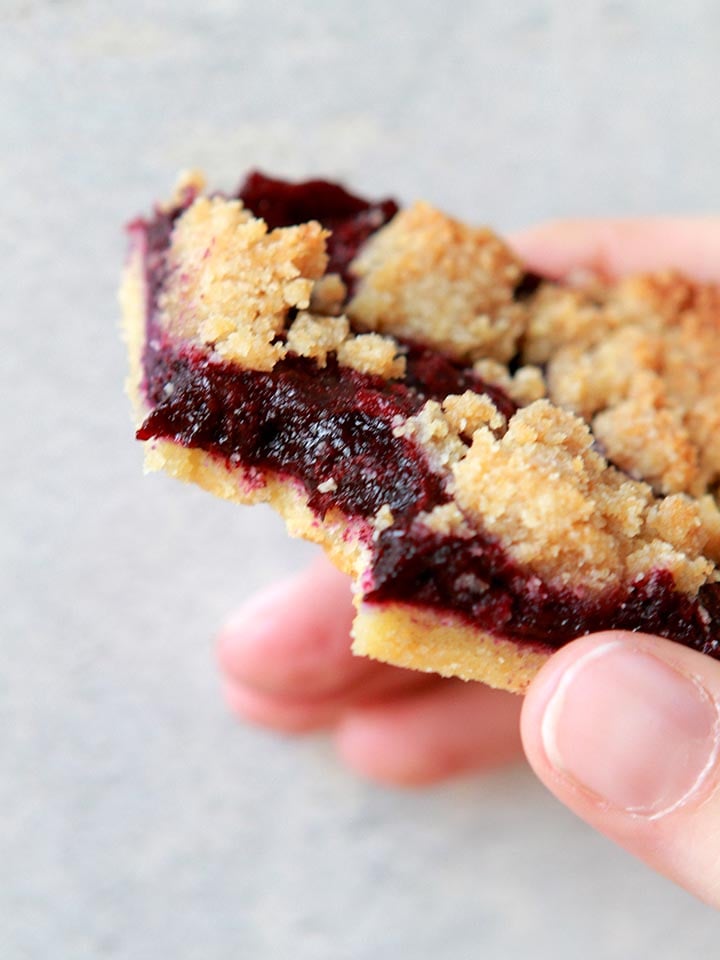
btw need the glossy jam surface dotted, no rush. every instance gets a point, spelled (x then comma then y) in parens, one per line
(332, 430)
(350, 218)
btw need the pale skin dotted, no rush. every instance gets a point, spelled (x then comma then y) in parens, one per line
(622, 728)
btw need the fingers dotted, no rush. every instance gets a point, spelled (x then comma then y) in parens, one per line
(284, 714)
(625, 730)
(294, 637)
(287, 665)
(286, 655)
(613, 248)
(449, 728)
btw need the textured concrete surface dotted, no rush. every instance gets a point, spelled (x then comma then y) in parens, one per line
(137, 819)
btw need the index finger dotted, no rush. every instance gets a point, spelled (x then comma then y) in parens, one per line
(616, 247)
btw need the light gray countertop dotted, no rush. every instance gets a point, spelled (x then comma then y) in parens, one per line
(137, 818)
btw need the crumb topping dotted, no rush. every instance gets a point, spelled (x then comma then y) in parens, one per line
(609, 469)
(433, 430)
(328, 295)
(524, 386)
(384, 519)
(371, 353)
(316, 336)
(560, 509)
(467, 412)
(710, 519)
(447, 520)
(428, 278)
(647, 439)
(189, 184)
(640, 362)
(327, 486)
(232, 281)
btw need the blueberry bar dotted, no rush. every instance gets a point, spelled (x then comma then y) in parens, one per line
(501, 462)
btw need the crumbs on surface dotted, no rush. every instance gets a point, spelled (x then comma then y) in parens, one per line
(429, 278)
(233, 284)
(328, 295)
(467, 412)
(315, 336)
(233, 281)
(576, 521)
(373, 354)
(523, 386)
(639, 362)
(433, 430)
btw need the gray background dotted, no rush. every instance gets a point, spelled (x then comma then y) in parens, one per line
(137, 818)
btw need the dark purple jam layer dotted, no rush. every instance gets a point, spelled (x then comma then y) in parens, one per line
(299, 422)
(350, 218)
(477, 578)
(314, 425)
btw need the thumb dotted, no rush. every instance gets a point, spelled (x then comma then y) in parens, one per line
(624, 729)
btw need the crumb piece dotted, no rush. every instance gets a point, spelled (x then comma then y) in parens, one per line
(527, 385)
(588, 379)
(569, 516)
(237, 281)
(446, 520)
(643, 359)
(677, 520)
(524, 386)
(669, 295)
(703, 424)
(373, 354)
(429, 278)
(469, 411)
(328, 295)
(189, 184)
(689, 574)
(540, 488)
(327, 486)
(431, 428)
(647, 440)
(492, 371)
(383, 519)
(315, 336)
(561, 316)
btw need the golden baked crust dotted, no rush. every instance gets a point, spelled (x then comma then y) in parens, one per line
(606, 473)
(420, 639)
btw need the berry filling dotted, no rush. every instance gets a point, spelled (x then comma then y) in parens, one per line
(477, 579)
(332, 430)
(351, 219)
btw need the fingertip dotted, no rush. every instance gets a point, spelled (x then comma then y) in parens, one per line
(604, 248)
(554, 677)
(249, 630)
(432, 734)
(613, 247)
(293, 638)
(624, 729)
(369, 745)
(280, 715)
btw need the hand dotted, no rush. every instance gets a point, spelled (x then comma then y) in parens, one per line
(623, 728)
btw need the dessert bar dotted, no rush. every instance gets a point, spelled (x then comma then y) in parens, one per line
(500, 461)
